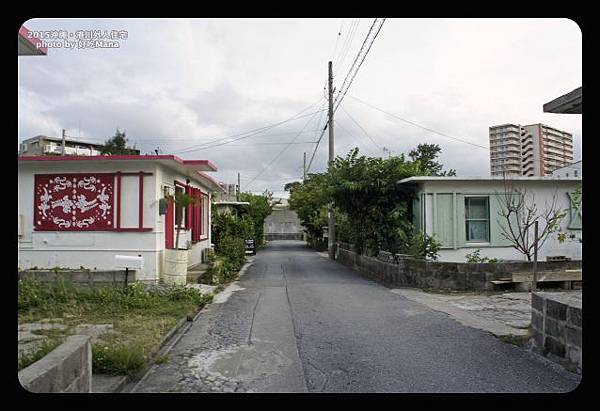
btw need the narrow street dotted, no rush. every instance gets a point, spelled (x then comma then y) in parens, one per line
(302, 323)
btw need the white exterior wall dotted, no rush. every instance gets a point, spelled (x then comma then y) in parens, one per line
(167, 177)
(570, 171)
(96, 249)
(88, 249)
(543, 192)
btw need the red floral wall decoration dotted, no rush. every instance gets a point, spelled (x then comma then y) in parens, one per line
(74, 202)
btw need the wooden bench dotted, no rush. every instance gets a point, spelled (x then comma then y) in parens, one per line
(542, 276)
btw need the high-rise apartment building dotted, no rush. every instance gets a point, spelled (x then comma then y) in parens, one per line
(532, 150)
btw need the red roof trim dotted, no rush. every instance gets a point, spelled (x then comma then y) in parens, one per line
(127, 157)
(24, 33)
(200, 163)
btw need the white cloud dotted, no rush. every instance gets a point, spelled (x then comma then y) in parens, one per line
(177, 83)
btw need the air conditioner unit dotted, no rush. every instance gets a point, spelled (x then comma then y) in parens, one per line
(206, 254)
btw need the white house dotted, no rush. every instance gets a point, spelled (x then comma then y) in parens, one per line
(76, 211)
(572, 170)
(463, 214)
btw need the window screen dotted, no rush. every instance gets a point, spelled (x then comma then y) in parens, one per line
(477, 219)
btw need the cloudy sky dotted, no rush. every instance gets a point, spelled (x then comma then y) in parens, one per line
(186, 86)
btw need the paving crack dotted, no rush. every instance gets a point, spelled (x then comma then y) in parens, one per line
(252, 321)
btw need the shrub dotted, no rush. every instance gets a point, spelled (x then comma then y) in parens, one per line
(423, 246)
(233, 250)
(475, 257)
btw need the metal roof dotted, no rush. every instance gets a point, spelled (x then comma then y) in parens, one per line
(486, 178)
(570, 103)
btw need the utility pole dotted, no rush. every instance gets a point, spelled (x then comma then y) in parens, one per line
(331, 228)
(63, 142)
(304, 168)
(239, 188)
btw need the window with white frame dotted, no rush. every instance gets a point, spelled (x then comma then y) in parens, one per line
(477, 219)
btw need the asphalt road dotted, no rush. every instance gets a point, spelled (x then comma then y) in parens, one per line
(302, 323)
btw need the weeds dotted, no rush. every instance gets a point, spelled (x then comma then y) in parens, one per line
(122, 359)
(141, 315)
(45, 348)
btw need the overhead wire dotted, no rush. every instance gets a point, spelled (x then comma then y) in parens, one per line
(280, 153)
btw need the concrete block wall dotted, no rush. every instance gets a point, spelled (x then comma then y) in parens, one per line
(68, 368)
(557, 328)
(88, 277)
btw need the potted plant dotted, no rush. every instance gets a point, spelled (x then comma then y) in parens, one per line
(176, 259)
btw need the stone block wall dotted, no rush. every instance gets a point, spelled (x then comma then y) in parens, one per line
(68, 368)
(557, 327)
(403, 271)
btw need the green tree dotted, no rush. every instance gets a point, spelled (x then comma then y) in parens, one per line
(366, 190)
(118, 145)
(260, 208)
(309, 200)
(426, 154)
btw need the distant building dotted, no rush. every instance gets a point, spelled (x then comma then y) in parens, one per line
(283, 223)
(44, 145)
(531, 150)
(226, 200)
(572, 170)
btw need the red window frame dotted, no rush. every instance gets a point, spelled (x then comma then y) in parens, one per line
(204, 216)
(185, 220)
(198, 215)
(140, 226)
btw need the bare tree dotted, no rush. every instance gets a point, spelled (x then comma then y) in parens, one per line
(519, 211)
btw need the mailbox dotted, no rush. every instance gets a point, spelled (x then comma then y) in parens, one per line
(129, 262)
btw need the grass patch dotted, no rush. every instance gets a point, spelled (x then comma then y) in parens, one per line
(518, 340)
(161, 359)
(45, 348)
(141, 316)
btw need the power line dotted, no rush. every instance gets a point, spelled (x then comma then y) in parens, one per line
(347, 132)
(337, 39)
(316, 147)
(253, 132)
(343, 90)
(281, 152)
(359, 126)
(347, 44)
(351, 75)
(432, 130)
(418, 125)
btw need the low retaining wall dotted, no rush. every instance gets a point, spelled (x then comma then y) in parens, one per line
(89, 277)
(398, 271)
(283, 236)
(68, 368)
(557, 326)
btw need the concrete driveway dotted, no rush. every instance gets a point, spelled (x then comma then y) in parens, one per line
(301, 323)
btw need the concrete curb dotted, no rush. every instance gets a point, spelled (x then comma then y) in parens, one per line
(173, 337)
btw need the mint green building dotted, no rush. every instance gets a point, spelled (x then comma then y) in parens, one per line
(463, 214)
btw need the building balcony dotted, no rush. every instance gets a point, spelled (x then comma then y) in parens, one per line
(71, 151)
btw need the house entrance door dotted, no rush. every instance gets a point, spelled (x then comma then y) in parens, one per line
(170, 226)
